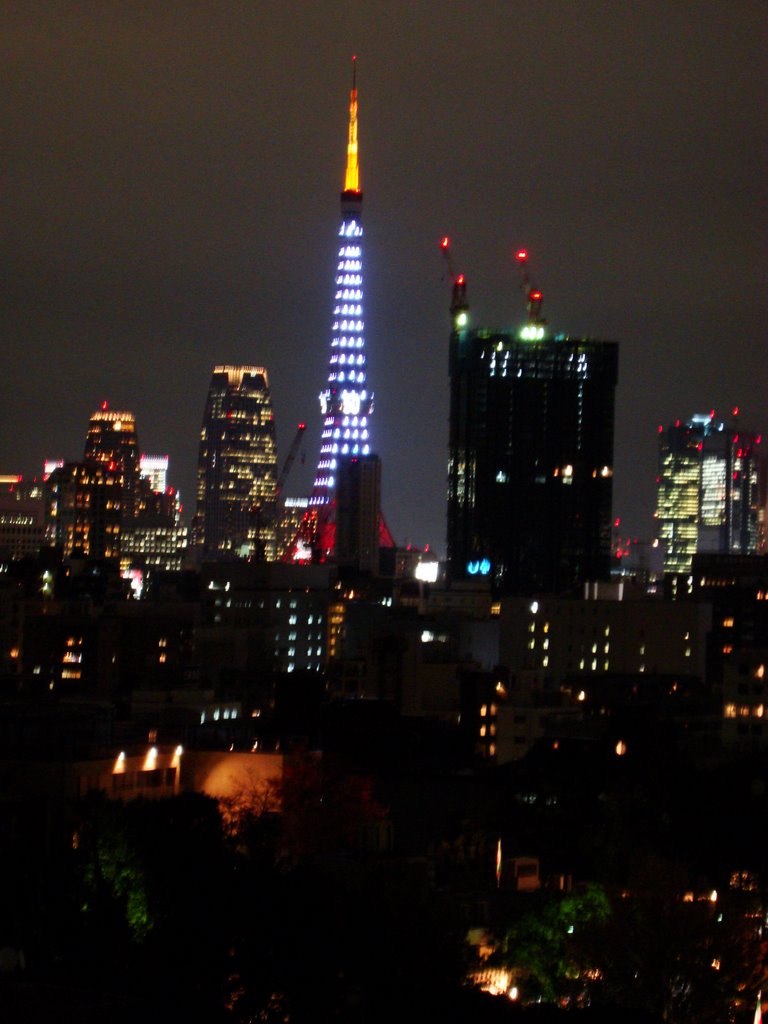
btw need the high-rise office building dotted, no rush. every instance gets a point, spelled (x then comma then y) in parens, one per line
(83, 510)
(530, 454)
(156, 538)
(237, 467)
(112, 441)
(155, 468)
(22, 516)
(346, 402)
(707, 498)
(358, 500)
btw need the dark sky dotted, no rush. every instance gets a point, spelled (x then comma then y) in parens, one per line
(169, 200)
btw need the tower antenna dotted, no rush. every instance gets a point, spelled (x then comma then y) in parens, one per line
(352, 174)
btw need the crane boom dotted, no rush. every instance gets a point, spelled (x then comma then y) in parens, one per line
(533, 296)
(459, 304)
(290, 458)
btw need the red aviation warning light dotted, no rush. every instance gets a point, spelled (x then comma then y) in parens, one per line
(534, 331)
(459, 305)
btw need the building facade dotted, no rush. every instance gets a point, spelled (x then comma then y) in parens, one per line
(237, 467)
(530, 457)
(707, 498)
(22, 517)
(83, 509)
(112, 441)
(358, 500)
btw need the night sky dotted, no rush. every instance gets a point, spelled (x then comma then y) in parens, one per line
(169, 200)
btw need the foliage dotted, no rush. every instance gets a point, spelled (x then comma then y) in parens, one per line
(315, 809)
(111, 866)
(544, 939)
(681, 959)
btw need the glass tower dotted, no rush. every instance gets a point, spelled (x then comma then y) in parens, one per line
(707, 498)
(237, 467)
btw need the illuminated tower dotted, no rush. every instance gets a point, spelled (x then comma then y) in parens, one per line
(112, 440)
(237, 467)
(346, 403)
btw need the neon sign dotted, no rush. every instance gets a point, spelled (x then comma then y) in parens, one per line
(481, 567)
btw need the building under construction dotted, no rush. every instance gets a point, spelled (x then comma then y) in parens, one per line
(530, 451)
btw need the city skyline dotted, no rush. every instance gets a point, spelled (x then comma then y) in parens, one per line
(170, 191)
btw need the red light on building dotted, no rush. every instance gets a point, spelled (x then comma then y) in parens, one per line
(460, 279)
(445, 243)
(735, 410)
(521, 255)
(536, 296)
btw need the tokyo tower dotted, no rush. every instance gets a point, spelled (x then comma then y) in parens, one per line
(346, 402)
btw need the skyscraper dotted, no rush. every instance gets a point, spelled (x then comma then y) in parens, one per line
(237, 467)
(707, 498)
(346, 402)
(530, 454)
(358, 500)
(112, 441)
(155, 468)
(83, 512)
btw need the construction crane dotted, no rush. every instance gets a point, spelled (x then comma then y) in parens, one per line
(533, 296)
(459, 304)
(290, 458)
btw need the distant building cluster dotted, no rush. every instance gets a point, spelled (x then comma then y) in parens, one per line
(710, 482)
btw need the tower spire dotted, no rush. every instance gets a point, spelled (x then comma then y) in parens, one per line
(352, 175)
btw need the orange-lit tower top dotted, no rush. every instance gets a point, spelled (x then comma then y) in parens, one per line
(352, 175)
